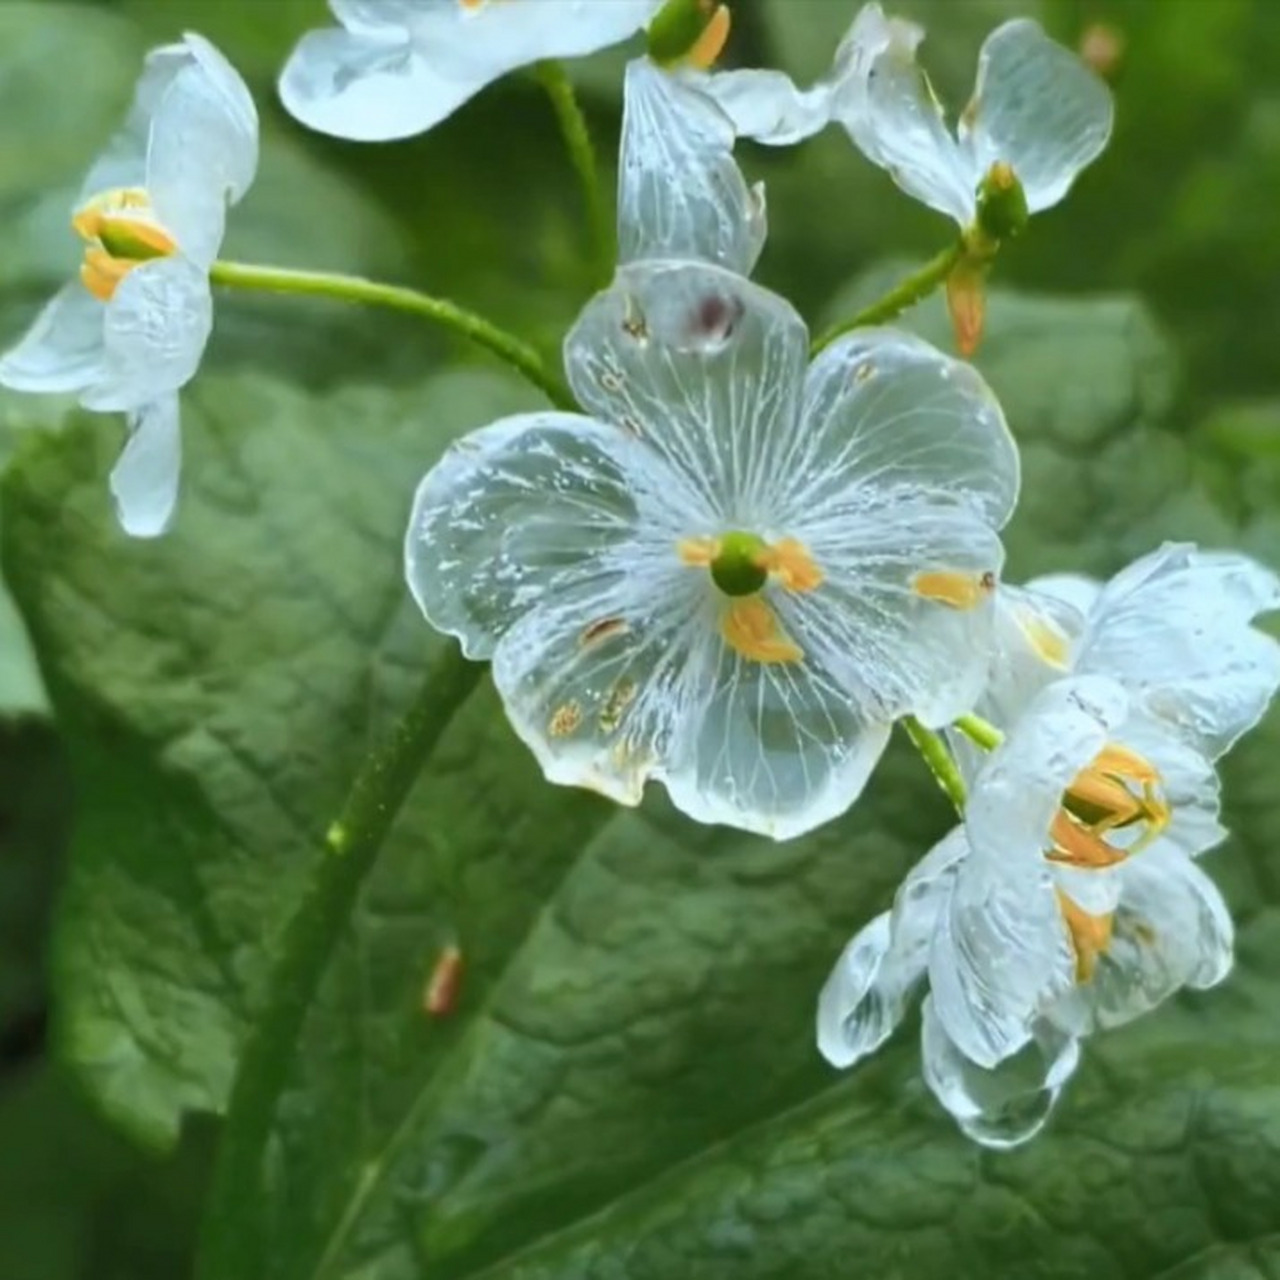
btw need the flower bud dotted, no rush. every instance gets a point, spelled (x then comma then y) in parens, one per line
(692, 31)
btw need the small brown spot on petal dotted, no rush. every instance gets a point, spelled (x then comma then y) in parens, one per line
(716, 317)
(565, 720)
(603, 629)
(633, 321)
(864, 371)
(621, 696)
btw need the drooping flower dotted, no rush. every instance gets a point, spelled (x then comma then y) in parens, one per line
(1069, 901)
(1037, 113)
(734, 574)
(395, 68)
(131, 331)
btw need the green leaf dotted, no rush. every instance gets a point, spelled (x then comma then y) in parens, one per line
(633, 1034)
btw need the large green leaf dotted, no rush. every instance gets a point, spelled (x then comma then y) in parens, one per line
(633, 1037)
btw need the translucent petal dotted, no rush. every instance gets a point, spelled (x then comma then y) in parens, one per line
(1171, 930)
(1073, 589)
(385, 15)
(368, 87)
(1003, 953)
(603, 678)
(203, 149)
(156, 328)
(867, 994)
(63, 350)
(1007, 1105)
(767, 107)
(144, 480)
(1174, 628)
(520, 34)
(515, 514)
(777, 749)
(888, 107)
(707, 369)
(680, 192)
(1039, 108)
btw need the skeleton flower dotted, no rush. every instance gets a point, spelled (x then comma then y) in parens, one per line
(398, 67)
(130, 332)
(1036, 110)
(1069, 901)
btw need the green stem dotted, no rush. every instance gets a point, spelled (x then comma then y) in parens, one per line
(906, 293)
(577, 141)
(231, 1241)
(942, 765)
(979, 731)
(323, 284)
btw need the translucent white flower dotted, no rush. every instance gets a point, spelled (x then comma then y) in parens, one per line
(735, 573)
(397, 67)
(131, 331)
(1036, 108)
(1067, 902)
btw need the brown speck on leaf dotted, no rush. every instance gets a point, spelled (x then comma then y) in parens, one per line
(440, 995)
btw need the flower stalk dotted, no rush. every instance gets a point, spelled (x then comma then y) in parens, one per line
(356, 289)
(982, 733)
(231, 1235)
(933, 751)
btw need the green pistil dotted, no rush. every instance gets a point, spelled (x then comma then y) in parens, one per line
(736, 570)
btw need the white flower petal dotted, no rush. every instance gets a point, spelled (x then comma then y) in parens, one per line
(603, 678)
(1073, 589)
(144, 480)
(1003, 952)
(1004, 1106)
(1171, 930)
(1039, 108)
(515, 514)
(867, 994)
(680, 192)
(707, 369)
(157, 325)
(1174, 628)
(63, 350)
(887, 105)
(766, 106)
(202, 153)
(777, 749)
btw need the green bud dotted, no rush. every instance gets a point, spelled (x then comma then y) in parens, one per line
(676, 29)
(1002, 203)
(736, 570)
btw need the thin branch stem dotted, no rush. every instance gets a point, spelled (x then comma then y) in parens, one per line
(933, 750)
(323, 284)
(577, 141)
(906, 293)
(231, 1241)
(979, 731)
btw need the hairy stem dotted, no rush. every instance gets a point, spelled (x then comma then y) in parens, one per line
(231, 1239)
(577, 141)
(906, 293)
(323, 284)
(933, 750)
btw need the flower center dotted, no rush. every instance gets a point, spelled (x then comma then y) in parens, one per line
(741, 565)
(1114, 808)
(122, 231)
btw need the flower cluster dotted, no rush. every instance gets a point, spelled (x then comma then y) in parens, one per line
(742, 556)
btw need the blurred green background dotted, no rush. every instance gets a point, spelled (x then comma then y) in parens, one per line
(1149, 405)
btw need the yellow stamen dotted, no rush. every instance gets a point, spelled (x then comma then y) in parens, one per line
(1049, 643)
(1075, 845)
(1121, 762)
(698, 552)
(751, 628)
(1090, 935)
(122, 232)
(710, 44)
(791, 564)
(959, 590)
(101, 274)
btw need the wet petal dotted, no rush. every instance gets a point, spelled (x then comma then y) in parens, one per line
(1171, 930)
(887, 105)
(156, 328)
(1003, 952)
(680, 191)
(777, 749)
(767, 107)
(145, 479)
(515, 514)
(707, 369)
(63, 350)
(1007, 1105)
(869, 989)
(203, 148)
(1174, 628)
(1038, 108)
(1072, 589)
